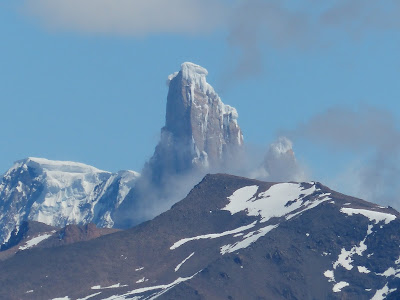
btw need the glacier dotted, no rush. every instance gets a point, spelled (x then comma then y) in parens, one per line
(59, 193)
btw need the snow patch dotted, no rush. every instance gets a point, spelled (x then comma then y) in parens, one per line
(339, 286)
(279, 200)
(345, 257)
(390, 272)
(370, 214)
(382, 293)
(363, 269)
(330, 275)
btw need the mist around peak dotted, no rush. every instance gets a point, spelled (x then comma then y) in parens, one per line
(201, 135)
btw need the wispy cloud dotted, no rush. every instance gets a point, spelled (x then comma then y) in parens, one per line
(251, 26)
(372, 136)
(257, 25)
(340, 127)
(129, 17)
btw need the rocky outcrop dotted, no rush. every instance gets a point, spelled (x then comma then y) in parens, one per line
(280, 162)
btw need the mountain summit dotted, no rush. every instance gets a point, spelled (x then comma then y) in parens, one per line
(58, 193)
(200, 130)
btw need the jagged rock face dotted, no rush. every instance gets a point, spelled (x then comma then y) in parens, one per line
(60, 193)
(200, 131)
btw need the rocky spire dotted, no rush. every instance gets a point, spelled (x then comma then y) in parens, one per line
(200, 130)
(280, 162)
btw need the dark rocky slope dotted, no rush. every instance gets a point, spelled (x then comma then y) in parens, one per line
(230, 238)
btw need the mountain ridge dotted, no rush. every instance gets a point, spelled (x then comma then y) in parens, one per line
(319, 244)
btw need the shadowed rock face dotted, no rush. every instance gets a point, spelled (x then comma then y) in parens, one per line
(32, 234)
(200, 131)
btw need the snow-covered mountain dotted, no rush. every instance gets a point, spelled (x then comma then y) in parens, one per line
(230, 238)
(200, 132)
(58, 193)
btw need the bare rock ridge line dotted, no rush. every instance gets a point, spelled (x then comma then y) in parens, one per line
(200, 130)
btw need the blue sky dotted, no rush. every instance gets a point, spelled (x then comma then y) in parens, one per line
(85, 81)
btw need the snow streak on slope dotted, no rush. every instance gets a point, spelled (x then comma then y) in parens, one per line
(36, 240)
(212, 235)
(370, 214)
(180, 265)
(248, 239)
(159, 290)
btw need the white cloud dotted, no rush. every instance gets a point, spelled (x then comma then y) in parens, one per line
(129, 17)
